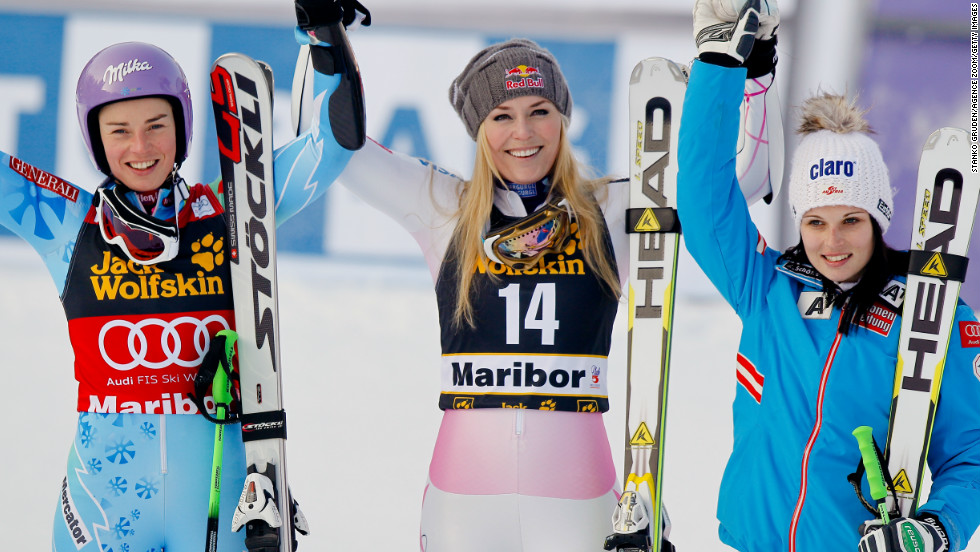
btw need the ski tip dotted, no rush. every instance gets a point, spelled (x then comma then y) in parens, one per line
(947, 137)
(658, 66)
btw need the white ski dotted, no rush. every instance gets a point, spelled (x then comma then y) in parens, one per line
(241, 94)
(657, 88)
(945, 210)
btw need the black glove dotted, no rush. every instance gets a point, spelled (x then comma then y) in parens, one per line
(922, 534)
(762, 60)
(218, 357)
(311, 14)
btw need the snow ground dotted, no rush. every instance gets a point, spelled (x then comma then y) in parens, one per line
(343, 325)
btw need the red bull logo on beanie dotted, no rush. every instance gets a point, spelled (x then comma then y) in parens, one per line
(524, 75)
(832, 167)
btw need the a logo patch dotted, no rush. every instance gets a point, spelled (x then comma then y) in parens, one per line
(970, 334)
(202, 207)
(815, 305)
(901, 483)
(69, 514)
(44, 179)
(116, 73)
(832, 167)
(523, 76)
(749, 377)
(879, 320)
(885, 209)
(588, 405)
(208, 252)
(894, 294)
(642, 437)
(462, 403)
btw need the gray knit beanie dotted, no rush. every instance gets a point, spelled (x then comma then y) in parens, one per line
(503, 71)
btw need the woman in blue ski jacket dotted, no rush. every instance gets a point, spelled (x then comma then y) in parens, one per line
(821, 321)
(142, 271)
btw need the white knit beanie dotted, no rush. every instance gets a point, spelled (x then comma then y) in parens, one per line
(837, 163)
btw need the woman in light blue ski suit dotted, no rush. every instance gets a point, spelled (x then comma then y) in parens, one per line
(820, 322)
(143, 275)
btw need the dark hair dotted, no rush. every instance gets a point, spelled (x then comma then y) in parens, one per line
(884, 264)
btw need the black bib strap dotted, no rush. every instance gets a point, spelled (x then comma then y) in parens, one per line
(264, 425)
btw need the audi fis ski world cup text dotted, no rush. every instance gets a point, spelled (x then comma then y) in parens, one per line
(974, 86)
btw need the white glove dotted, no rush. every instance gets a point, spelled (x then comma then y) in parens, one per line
(904, 535)
(718, 32)
(728, 10)
(730, 27)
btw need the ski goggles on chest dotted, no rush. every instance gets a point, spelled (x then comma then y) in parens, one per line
(521, 243)
(143, 238)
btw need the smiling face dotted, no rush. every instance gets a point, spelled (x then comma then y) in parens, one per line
(523, 134)
(140, 141)
(838, 240)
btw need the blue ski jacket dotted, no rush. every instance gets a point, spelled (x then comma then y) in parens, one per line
(802, 386)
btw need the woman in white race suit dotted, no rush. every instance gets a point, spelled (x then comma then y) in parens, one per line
(528, 258)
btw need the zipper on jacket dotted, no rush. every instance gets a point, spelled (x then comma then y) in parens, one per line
(824, 377)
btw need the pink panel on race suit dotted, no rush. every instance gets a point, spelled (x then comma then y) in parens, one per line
(551, 454)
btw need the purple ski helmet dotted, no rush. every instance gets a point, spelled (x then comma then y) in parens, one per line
(125, 71)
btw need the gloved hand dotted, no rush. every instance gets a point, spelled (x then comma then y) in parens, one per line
(922, 534)
(728, 10)
(321, 32)
(724, 39)
(311, 14)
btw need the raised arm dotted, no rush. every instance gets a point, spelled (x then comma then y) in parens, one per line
(44, 210)
(718, 230)
(328, 105)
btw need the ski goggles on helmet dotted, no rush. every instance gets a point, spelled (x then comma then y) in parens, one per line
(521, 243)
(143, 238)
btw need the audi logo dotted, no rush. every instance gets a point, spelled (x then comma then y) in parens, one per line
(170, 342)
(971, 330)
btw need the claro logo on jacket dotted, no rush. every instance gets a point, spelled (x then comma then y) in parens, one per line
(115, 278)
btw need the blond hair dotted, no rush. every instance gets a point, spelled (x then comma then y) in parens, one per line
(476, 203)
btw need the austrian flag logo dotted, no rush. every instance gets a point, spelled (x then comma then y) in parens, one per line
(523, 76)
(749, 377)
